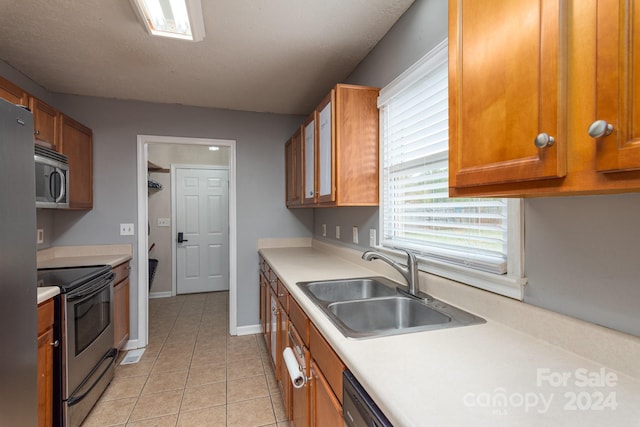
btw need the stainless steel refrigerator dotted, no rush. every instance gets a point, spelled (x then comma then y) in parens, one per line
(18, 300)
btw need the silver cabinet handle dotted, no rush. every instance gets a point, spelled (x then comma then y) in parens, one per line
(544, 140)
(55, 343)
(37, 132)
(600, 128)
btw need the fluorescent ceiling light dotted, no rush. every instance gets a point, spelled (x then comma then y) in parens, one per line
(180, 19)
(213, 148)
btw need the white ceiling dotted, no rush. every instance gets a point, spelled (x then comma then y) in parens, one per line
(277, 56)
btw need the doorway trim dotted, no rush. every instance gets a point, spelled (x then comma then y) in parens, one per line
(143, 242)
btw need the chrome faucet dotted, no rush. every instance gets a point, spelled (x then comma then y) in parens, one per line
(410, 272)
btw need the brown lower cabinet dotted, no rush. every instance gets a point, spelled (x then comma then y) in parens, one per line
(121, 305)
(285, 324)
(45, 363)
(326, 410)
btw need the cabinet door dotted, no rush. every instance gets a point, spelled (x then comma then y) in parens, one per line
(76, 142)
(121, 313)
(44, 122)
(293, 158)
(284, 381)
(326, 149)
(506, 91)
(263, 303)
(45, 363)
(45, 378)
(289, 173)
(299, 396)
(13, 93)
(274, 329)
(309, 160)
(326, 411)
(618, 85)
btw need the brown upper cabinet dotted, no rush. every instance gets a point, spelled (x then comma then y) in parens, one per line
(76, 142)
(309, 156)
(293, 155)
(525, 88)
(44, 123)
(340, 149)
(617, 126)
(13, 93)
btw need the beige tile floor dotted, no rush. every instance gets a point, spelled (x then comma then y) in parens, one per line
(193, 373)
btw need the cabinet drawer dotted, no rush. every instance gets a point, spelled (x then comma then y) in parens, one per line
(45, 316)
(283, 296)
(299, 320)
(121, 271)
(327, 360)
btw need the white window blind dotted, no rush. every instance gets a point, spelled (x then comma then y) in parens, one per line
(417, 213)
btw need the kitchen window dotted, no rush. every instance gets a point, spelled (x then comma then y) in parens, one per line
(470, 240)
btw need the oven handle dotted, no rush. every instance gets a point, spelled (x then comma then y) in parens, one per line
(112, 353)
(97, 288)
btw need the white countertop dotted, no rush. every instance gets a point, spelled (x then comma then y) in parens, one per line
(480, 375)
(84, 260)
(47, 292)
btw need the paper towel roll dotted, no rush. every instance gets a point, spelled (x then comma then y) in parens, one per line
(297, 377)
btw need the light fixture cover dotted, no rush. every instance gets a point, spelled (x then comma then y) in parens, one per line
(181, 19)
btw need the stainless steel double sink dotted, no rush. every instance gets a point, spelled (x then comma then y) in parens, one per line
(376, 306)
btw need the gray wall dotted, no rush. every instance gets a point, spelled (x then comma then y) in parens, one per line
(261, 211)
(581, 254)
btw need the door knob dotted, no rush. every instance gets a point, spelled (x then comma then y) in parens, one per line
(600, 128)
(544, 140)
(181, 238)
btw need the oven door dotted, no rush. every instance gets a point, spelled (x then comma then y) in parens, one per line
(88, 330)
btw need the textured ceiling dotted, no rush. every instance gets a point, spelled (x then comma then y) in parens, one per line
(277, 56)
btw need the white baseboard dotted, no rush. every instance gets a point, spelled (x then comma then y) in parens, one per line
(249, 330)
(166, 294)
(130, 345)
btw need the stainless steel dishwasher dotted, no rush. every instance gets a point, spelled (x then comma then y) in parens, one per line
(358, 409)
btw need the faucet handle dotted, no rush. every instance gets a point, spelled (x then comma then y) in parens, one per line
(411, 257)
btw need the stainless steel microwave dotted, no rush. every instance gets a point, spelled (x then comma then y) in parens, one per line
(52, 178)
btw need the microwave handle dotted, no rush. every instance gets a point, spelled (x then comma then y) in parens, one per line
(63, 187)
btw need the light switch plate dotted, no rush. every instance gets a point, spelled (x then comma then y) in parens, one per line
(164, 222)
(337, 231)
(372, 237)
(324, 230)
(126, 229)
(40, 236)
(355, 235)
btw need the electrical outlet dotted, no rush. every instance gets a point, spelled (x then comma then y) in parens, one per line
(355, 235)
(164, 222)
(372, 237)
(337, 231)
(40, 236)
(126, 229)
(324, 230)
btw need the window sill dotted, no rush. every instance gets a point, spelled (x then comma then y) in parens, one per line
(509, 286)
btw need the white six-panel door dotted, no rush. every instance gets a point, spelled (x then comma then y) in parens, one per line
(202, 211)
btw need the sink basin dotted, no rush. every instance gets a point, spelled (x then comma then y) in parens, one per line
(351, 289)
(375, 306)
(382, 314)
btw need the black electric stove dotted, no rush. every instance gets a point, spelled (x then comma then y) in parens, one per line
(69, 278)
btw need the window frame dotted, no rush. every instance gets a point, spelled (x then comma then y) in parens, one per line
(510, 284)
